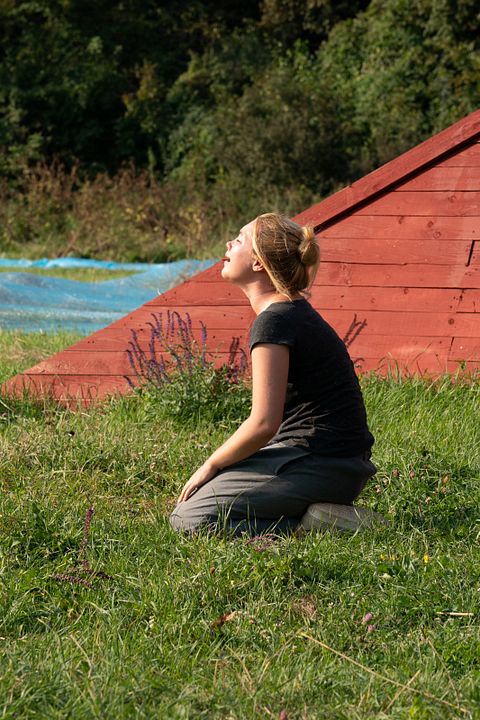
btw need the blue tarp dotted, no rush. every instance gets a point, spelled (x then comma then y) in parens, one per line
(31, 303)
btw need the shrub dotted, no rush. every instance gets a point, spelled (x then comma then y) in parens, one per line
(52, 211)
(187, 380)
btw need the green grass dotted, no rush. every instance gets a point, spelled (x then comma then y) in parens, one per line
(19, 351)
(84, 274)
(207, 627)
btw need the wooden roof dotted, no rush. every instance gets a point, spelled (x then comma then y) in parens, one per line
(399, 278)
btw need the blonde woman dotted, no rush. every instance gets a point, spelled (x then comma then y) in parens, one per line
(306, 439)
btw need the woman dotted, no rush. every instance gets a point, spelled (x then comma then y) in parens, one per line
(306, 439)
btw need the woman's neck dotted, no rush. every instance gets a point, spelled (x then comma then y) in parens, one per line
(261, 298)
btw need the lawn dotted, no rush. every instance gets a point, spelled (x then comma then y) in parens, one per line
(112, 615)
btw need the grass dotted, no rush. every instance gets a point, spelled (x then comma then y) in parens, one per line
(82, 274)
(206, 627)
(19, 351)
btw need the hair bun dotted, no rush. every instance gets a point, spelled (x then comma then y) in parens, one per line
(308, 249)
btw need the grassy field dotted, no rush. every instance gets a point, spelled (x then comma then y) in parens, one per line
(111, 615)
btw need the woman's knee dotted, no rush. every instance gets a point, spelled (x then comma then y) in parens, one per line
(185, 519)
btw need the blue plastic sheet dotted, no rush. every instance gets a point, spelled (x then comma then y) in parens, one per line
(33, 303)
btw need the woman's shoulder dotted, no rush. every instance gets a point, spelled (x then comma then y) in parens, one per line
(275, 324)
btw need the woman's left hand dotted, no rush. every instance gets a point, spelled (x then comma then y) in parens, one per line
(204, 473)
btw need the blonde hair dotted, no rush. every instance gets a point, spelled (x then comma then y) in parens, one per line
(289, 253)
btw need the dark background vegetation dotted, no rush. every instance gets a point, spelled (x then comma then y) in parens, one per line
(149, 130)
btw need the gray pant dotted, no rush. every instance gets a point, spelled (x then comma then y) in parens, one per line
(271, 490)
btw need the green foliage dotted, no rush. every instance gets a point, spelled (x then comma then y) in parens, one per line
(406, 72)
(287, 20)
(88, 80)
(311, 120)
(277, 140)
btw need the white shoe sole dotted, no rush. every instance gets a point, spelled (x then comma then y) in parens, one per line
(324, 516)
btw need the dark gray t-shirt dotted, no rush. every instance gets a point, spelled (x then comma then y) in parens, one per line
(324, 409)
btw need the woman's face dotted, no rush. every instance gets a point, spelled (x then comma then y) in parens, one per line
(238, 261)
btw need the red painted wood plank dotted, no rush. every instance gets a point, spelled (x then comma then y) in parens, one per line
(118, 339)
(403, 227)
(214, 317)
(467, 367)
(465, 349)
(337, 297)
(469, 157)
(433, 367)
(435, 364)
(100, 363)
(108, 362)
(190, 293)
(96, 364)
(452, 179)
(446, 204)
(119, 344)
(211, 274)
(389, 250)
(470, 302)
(99, 367)
(367, 344)
(407, 347)
(410, 324)
(436, 147)
(380, 298)
(67, 386)
(434, 276)
(370, 343)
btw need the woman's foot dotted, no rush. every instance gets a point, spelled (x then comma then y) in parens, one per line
(322, 516)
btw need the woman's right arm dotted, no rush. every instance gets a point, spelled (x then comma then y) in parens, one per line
(269, 386)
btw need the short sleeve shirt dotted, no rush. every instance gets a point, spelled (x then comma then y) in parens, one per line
(324, 409)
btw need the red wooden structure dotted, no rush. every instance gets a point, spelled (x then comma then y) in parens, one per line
(400, 255)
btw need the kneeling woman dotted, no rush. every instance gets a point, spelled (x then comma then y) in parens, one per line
(306, 440)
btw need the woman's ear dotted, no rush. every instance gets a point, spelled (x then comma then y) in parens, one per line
(256, 264)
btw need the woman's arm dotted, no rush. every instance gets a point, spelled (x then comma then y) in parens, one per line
(269, 387)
